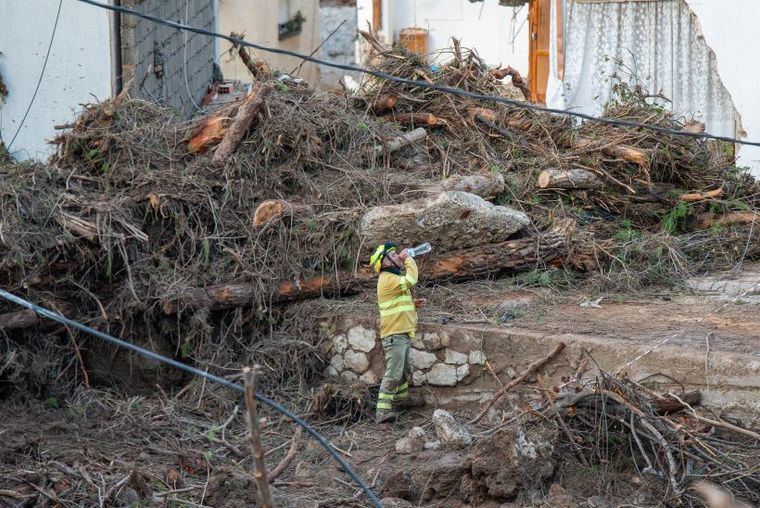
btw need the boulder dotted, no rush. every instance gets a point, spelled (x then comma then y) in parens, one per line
(369, 378)
(477, 357)
(408, 445)
(417, 433)
(452, 220)
(455, 357)
(336, 362)
(419, 378)
(362, 339)
(449, 431)
(462, 372)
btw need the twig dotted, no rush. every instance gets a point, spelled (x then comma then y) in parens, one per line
(717, 423)
(533, 367)
(285, 462)
(259, 472)
(12, 493)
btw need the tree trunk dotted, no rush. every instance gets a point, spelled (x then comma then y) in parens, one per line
(273, 209)
(400, 142)
(18, 319)
(574, 178)
(512, 256)
(247, 113)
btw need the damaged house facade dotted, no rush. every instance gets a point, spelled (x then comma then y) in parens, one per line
(94, 54)
(690, 55)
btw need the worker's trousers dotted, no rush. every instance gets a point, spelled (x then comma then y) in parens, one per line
(394, 389)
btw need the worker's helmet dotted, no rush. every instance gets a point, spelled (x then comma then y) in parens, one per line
(376, 260)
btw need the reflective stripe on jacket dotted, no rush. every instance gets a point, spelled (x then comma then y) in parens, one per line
(394, 297)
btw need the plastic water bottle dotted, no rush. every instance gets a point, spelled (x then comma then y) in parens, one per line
(419, 250)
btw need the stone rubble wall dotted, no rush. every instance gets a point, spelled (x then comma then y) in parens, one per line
(436, 358)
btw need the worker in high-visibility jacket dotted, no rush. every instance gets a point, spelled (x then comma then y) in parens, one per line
(398, 324)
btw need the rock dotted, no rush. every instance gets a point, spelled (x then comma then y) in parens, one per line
(512, 373)
(462, 372)
(438, 478)
(417, 433)
(422, 359)
(417, 342)
(331, 371)
(433, 445)
(432, 341)
(408, 445)
(395, 502)
(442, 375)
(449, 431)
(598, 502)
(340, 344)
(452, 220)
(455, 357)
(336, 362)
(349, 376)
(558, 497)
(362, 339)
(356, 361)
(369, 378)
(477, 357)
(513, 460)
(419, 378)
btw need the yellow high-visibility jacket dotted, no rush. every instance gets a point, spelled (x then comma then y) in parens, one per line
(394, 297)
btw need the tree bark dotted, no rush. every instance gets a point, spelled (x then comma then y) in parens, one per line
(209, 130)
(512, 256)
(17, 320)
(273, 209)
(574, 178)
(242, 122)
(416, 119)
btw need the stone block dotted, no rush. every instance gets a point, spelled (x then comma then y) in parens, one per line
(442, 375)
(419, 378)
(362, 339)
(462, 372)
(369, 378)
(477, 357)
(422, 359)
(356, 361)
(455, 357)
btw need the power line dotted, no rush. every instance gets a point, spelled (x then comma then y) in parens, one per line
(422, 84)
(42, 73)
(196, 372)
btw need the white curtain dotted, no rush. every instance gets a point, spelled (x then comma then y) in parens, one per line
(657, 43)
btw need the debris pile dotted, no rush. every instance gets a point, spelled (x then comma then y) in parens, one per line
(188, 235)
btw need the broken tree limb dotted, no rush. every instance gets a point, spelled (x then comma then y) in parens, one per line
(700, 196)
(627, 153)
(285, 462)
(517, 79)
(400, 142)
(17, 320)
(413, 119)
(209, 131)
(77, 226)
(259, 68)
(246, 114)
(511, 256)
(708, 219)
(532, 368)
(574, 178)
(279, 209)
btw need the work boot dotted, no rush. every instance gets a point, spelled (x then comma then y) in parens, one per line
(386, 416)
(411, 402)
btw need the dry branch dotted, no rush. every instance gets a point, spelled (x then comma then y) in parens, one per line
(709, 219)
(242, 122)
(416, 119)
(699, 196)
(285, 462)
(532, 368)
(259, 68)
(259, 472)
(400, 142)
(517, 79)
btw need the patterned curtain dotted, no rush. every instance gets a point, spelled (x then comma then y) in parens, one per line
(659, 44)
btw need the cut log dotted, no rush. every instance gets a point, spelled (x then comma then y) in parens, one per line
(18, 320)
(77, 226)
(517, 79)
(707, 220)
(413, 119)
(279, 209)
(246, 114)
(628, 153)
(700, 196)
(400, 142)
(574, 178)
(484, 185)
(383, 103)
(209, 131)
(452, 220)
(489, 260)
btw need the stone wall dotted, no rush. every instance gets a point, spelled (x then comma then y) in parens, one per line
(166, 65)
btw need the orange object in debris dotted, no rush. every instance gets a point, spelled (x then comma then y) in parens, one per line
(414, 40)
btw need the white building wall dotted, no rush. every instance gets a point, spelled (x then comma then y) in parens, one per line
(499, 34)
(78, 69)
(731, 29)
